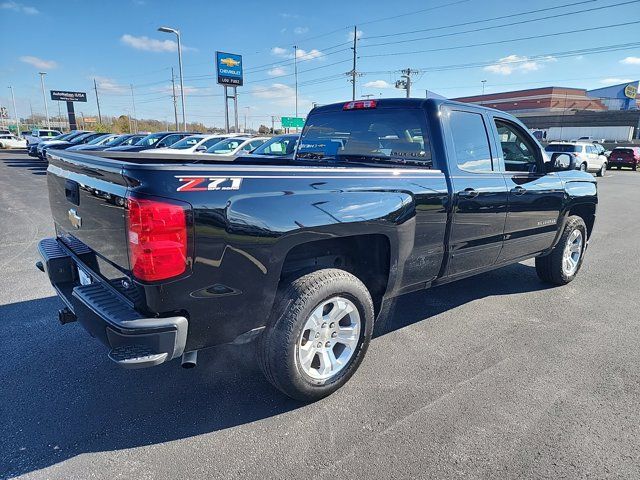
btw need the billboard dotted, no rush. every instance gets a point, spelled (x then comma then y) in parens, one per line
(229, 69)
(62, 96)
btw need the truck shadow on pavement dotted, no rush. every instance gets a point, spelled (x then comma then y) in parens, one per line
(62, 397)
(34, 165)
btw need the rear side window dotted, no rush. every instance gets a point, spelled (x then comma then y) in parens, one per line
(470, 141)
(376, 135)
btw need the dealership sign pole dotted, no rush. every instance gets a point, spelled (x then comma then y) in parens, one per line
(229, 74)
(69, 98)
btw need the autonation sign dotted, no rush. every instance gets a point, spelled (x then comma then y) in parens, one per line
(229, 69)
(62, 96)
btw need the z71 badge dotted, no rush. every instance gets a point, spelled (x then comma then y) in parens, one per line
(201, 184)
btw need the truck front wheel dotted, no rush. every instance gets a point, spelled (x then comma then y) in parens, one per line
(319, 332)
(562, 264)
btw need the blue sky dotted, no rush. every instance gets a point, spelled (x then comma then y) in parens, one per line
(118, 44)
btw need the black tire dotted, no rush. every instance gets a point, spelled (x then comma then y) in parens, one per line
(583, 167)
(296, 300)
(634, 168)
(602, 171)
(550, 267)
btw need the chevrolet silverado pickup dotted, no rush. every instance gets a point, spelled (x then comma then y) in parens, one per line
(161, 257)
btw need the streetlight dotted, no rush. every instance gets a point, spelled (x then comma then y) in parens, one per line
(177, 33)
(44, 98)
(15, 111)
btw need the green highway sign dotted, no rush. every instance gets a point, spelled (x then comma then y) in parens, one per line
(292, 122)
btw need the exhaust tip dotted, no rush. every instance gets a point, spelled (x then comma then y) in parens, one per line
(190, 359)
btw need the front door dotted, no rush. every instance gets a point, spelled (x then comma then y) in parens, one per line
(480, 194)
(535, 197)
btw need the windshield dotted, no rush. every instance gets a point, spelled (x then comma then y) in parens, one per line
(132, 140)
(99, 140)
(81, 138)
(114, 142)
(283, 145)
(623, 151)
(226, 146)
(187, 142)
(563, 148)
(150, 140)
(368, 135)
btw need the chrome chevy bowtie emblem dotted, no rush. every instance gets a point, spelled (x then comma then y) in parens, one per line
(74, 218)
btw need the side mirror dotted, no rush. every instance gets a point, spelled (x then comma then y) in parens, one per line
(561, 162)
(201, 148)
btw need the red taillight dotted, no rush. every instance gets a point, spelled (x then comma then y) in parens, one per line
(157, 236)
(360, 105)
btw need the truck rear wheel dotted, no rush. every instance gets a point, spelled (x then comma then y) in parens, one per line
(562, 264)
(319, 332)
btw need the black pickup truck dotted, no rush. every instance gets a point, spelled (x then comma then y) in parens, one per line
(162, 258)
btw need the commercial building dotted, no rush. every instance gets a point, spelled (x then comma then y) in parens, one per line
(560, 113)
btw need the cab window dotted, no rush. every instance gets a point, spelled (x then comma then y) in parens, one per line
(518, 150)
(471, 142)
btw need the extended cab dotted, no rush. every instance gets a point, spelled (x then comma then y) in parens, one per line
(162, 258)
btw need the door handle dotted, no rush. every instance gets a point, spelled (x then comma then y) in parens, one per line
(518, 190)
(468, 193)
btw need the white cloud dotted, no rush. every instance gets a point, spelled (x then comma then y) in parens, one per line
(282, 95)
(109, 85)
(19, 7)
(188, 90)
(276, 71)
(301, 54)
(300, 30)
(39, 62)
(517, 63)
(288, 15)
(151, 44)
(378, 84)
(358, 35)
(615, 80)
(631, 61)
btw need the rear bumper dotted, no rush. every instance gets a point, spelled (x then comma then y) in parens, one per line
(135, 341)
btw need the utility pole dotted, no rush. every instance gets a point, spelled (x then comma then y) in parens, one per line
(245, 119)
(273, 123)
(295, 69)
(95, 87)
(15, 111)
(133, 101)
(405, 84)
(483, 82)
(354, 72)
(175, 102)
(44, 97)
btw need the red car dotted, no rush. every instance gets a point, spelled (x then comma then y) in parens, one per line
(625, 157)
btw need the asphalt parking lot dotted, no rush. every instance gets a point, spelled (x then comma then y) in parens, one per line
(496, 376)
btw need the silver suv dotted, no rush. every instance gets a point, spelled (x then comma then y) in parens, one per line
(589, 157)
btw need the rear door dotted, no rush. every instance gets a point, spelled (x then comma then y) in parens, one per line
(480, 193)
(535, 197)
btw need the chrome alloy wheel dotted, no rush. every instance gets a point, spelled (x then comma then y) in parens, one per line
(329, 338)
(572, 253)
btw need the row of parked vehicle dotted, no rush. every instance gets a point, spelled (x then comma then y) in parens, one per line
(174, 143)
(593, 157)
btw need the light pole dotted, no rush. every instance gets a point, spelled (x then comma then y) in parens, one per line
(177, 33)
(483, 82)
(15, 111)
(44, 98)
(295, 68)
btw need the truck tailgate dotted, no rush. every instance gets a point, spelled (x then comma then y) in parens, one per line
(87, 197)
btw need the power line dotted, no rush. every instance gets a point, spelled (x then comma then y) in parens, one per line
(475, 22)
(510, 24)
(497, 42)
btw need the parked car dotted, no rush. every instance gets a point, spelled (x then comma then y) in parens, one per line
(37, 135)
(625, 157)
(79, 140)
(386, 197)
(190, 145)
(12, 141)
(56, 140)
(281, 146)
(587, 156)
(236, 145)
(98, 141)
(153, 140)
